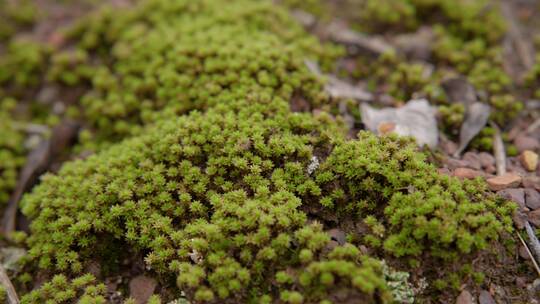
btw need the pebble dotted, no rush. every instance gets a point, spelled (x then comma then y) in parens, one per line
(532, 199)
(453, 163)
(534, 217)
(467, 173)
(473, 160)
(519, 220)
(464, 297)
(524, 142)
(523, 252)
(515, 195)
(141, 288)
(486, 298)
(486, 159)
(508, 180)
(529, 160)
(531, 182)
(337, 235)
(491, 169)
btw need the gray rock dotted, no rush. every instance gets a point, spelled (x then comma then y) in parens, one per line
(485, 298)
(532, 199)
(515, 195)
(473, 160)
(524, 142)
(465, 297)
(141, 288)
(486, 159)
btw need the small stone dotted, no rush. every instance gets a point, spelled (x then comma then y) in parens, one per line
(532, 199)
(448, 146)
(534, 217)
(467, 173)
(523, 252)
(464, 297)
(529, 160)
(519, 220)
(486, 159)
(453, 163)
(337, 235)
(473, 160)
(531, 182)
(141, 288)
(491, 169)
(508, 180)
(515, 195)
(524, 142)
(486, 298)
(521, 282)
(444, 171)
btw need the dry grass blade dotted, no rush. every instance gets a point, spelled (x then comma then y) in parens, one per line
(10, 290)
(529, 253)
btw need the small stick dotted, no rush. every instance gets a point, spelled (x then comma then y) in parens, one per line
(498, 150)
(529, 252)
(10, 290)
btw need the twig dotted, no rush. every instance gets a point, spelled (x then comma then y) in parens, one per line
(498, 150)
(529, 252)
(10, 290)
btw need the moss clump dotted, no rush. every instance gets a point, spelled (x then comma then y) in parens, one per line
(23, 64)
(222, 229)
(423, 212)
(60, 289)
(11, 150)
(3, 294)
(224, 199)
(467, 36)
(173, 57)
(15, 15)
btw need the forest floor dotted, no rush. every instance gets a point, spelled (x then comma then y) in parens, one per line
(389, 79)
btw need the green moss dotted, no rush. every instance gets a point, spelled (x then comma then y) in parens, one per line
(3, 294)
(467, 40)
(432, 213)
(11, 150)
(174, 57)
(219, 183)
(452, 117)
(23, 63)
(60, 289)
(15, 15)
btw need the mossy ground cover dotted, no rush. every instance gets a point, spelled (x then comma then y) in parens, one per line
(202, 168)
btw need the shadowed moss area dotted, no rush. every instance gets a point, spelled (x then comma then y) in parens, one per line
(227, 192)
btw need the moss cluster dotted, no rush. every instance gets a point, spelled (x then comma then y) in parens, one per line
(60, 289)
(223, 188)
(173, 57)
(11, 150)
(23, 64)
(467, 36)
(15, 15)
